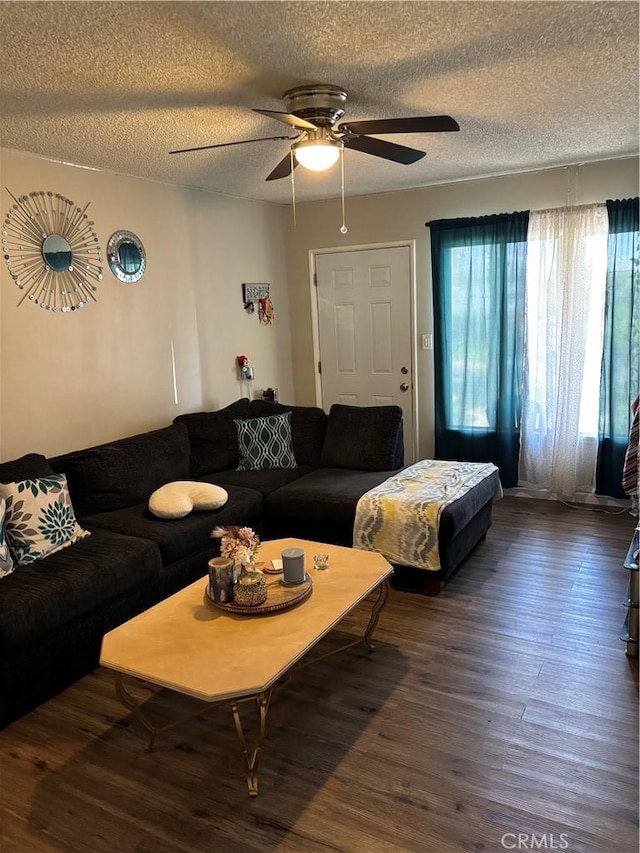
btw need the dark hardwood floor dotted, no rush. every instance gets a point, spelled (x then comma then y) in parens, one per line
(500, 715)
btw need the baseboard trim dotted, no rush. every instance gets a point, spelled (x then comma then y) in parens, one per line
(580, 499)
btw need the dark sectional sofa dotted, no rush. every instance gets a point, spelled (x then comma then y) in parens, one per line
(55, 611)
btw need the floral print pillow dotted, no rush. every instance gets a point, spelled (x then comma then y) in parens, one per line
(39, 518)
(6, 563)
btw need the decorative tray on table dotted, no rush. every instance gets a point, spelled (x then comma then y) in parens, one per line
(280, 596)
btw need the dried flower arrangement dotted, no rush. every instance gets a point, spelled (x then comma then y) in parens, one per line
(239, 544)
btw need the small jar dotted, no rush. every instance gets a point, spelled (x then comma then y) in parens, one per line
(250, 590)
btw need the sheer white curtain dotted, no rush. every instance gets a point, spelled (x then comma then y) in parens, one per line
(565, 291)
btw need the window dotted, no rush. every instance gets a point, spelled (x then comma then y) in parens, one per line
(537, 322)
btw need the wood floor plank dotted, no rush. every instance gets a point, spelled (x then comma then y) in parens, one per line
(504, 705)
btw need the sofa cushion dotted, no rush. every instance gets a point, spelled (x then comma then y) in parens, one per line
(265, 443)
(328, 495)
(70, 584)
(179, 537)
(27, 467)
(39, 518)
(175, 500)
(264, 482)
(308, 428)
(6, 561)
(367, 438)
(125, 472)
(213, 439)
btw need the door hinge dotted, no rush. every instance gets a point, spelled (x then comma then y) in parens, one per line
(319, 367)
(315, 279)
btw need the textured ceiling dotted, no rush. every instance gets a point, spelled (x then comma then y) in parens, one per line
(116, 86)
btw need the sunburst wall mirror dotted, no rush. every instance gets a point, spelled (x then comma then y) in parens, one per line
(52, 251)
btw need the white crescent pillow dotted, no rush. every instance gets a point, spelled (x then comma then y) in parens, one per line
(175, 500)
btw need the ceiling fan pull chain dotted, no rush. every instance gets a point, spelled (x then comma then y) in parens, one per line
(293, 187)
(343, 227)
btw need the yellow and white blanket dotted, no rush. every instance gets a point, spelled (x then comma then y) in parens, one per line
(400, 517)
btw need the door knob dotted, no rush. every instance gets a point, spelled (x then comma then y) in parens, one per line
(404, 370)
(404, 387)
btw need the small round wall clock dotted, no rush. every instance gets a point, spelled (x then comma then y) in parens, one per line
(52, 252)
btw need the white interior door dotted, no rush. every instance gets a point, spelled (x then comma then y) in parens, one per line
(364, 331)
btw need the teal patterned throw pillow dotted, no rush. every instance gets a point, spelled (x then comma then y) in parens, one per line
(6, 563)
(39, 518)
(265, 443)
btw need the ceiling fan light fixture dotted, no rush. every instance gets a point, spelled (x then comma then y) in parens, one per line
(317, 154)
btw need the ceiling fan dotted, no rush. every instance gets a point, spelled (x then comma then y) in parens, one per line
(313, 111)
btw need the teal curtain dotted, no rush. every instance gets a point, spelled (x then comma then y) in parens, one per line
(479, 270)
(619, 383)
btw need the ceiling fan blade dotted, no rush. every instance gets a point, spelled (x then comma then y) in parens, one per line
(382, 148)
(227, 144)
(414, 124)
(283, 169)
(287, 118)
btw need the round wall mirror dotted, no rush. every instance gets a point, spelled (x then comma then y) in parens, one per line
(57, 253)
(126, 256)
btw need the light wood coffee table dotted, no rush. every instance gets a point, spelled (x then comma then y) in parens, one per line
(187, 644)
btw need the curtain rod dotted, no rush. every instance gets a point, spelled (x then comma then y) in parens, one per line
(538, 210)
(481, 216)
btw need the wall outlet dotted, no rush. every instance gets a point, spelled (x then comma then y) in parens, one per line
(427, 341)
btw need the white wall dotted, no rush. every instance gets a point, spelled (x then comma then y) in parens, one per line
(73, 380)
(401, 216)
